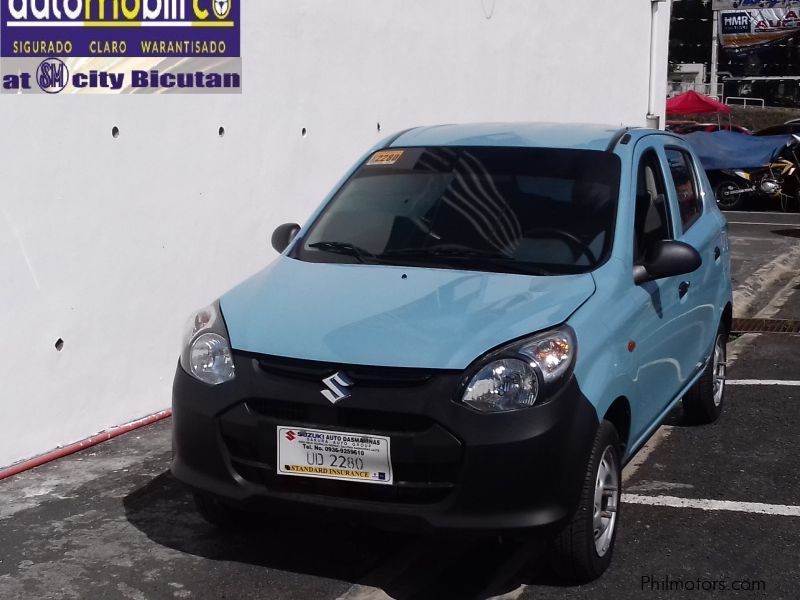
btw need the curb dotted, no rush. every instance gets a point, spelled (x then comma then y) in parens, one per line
(762, 280)
(82, 445)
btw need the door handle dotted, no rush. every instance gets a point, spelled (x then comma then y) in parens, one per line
(717, 253)
(683, 289)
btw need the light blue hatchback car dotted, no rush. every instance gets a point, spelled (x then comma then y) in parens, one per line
(474, 333)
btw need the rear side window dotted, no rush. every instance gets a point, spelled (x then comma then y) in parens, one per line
(651, 224)
(686, 189)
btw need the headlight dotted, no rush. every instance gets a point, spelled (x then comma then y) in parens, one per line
(553, 353)
(207, 352)
(522, 373)
(505, 384)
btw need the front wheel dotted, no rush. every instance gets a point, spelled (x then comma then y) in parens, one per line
(726, 194)
(702, 404)
(582, 550)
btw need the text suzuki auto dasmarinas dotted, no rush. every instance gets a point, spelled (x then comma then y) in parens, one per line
(474, 333)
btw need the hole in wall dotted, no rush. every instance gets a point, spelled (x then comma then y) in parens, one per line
(379, 127)
(59, 344)
(221, 132)
(304, 132)
(115, 132)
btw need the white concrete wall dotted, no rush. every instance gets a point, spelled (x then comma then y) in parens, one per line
(110, 243)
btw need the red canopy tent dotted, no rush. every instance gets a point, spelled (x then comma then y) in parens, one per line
(692, 103)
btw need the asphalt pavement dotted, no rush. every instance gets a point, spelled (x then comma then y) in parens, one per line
(759, 240)
(711, 511)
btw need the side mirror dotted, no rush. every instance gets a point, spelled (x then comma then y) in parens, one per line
(283, 236)
(667, 259)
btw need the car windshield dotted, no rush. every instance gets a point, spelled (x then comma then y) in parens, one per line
(537, 211)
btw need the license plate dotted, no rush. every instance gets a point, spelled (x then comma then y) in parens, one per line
(334, 455)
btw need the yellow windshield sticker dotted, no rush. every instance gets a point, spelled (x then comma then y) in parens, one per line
(385, 157)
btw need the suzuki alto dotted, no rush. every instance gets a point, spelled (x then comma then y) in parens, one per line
(474, 333)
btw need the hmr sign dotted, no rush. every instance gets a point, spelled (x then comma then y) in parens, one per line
(740, 4)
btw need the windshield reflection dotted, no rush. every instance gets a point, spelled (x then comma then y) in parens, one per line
(518, 210)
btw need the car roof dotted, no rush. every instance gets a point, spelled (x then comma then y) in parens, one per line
(526, 135)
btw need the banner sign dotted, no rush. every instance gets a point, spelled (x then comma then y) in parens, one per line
(120, 46)
(745, 28)
(748, 4)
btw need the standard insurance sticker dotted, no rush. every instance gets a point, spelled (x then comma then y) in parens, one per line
(334, 455)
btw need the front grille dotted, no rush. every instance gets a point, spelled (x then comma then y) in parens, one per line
(428, 478)
(321, 416)
(310, 370)
(388, 401)
(402, 491)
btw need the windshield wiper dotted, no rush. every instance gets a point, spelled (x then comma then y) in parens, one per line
(344, 248)
(448, 250)
(469, 255)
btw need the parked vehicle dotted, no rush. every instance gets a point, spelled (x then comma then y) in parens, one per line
(683, 127)
(788, 128)
(741, 168)
(474, 333)
(780, 180)
(711, 127)
(677, 126)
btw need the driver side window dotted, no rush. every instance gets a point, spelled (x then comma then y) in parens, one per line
(651, 220)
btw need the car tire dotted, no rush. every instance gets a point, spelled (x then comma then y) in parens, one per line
(218, 513)
(729, 202)
(581, 552)
(702, 404)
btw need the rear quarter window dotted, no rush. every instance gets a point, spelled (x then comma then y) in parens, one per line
(687, 190)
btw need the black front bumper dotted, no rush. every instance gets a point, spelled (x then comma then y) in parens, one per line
(454, 468)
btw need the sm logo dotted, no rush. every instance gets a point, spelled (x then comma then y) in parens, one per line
(52, 75)
(221, 8)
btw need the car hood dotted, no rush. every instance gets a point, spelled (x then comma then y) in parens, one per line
(392, 316)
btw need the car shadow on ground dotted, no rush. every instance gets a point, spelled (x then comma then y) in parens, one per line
(404, 566)
(795, 233)
(676, 418)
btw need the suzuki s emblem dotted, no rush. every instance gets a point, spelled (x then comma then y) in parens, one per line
(337, 385)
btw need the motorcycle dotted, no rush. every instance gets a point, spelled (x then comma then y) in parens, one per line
(779, 179)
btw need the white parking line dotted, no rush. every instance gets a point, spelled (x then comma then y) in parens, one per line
(761, 382)
(725, 505)
(750, 212)
(764, 223)
(364, 592)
